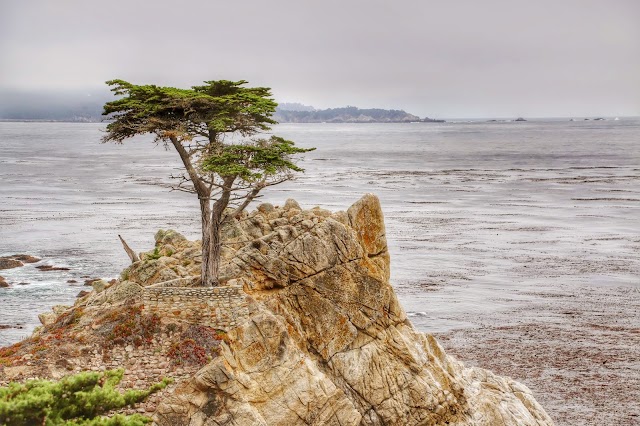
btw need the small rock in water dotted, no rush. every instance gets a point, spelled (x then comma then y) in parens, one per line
(3, 283)
(71, 281)
(26, 258)
(90, 281)
(9, 263)
(52, 268)
(7, 326)
(24, 283)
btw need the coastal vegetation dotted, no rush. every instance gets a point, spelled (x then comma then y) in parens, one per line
(202, 124)
(79, 399)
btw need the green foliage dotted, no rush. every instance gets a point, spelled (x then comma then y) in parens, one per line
(209, 110)
(74, 400)
(254, 161)
(195, 122)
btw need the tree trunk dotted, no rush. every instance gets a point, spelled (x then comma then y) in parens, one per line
(215, 247)
(210, 238)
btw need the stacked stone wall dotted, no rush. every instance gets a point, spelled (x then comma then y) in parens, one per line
(218, 307)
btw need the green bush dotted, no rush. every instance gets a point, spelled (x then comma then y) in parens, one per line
(78, 400)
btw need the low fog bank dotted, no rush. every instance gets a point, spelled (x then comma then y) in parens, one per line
(80, 105)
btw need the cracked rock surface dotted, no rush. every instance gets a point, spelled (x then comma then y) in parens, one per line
(327, 342)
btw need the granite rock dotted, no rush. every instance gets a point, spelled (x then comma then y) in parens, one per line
(327, 342)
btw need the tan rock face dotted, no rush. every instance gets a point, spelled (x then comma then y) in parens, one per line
(174, 257)
(327, 341)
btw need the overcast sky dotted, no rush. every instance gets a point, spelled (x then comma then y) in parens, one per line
(456, 58)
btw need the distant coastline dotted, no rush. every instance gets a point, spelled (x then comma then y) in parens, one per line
(296, 113)
(87, 108)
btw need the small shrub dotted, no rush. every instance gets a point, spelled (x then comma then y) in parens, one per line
(74, 400)
(222, 335)
(8, 354)
(137, 328)
(188, 352)
(198, 343)
(38, 348)
(128, 325)
(124, 276)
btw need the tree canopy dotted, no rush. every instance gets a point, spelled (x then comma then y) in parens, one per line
(209, 111)
(211, 128)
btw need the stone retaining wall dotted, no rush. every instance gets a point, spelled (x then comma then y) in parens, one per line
(218, 307)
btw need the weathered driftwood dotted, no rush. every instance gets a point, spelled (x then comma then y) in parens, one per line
(132, 254)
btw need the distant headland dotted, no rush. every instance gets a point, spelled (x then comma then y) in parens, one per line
(298, 113)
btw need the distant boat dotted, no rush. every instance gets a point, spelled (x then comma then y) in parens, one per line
(616, 119)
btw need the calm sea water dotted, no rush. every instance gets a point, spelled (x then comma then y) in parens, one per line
(473, 210)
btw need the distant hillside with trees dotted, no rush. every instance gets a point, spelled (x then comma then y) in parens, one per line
(349, 114)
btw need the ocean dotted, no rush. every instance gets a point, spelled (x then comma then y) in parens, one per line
(480, 216)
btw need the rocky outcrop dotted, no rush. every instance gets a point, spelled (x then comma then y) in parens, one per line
(306, 331)
(26, 258)
(173, 259)
(326, 341)
(16, 261)
(9, 263)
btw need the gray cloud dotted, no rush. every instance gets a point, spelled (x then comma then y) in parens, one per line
(457, 58)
